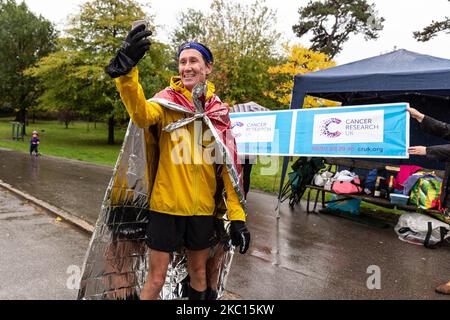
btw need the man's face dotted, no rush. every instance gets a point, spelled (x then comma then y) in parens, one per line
(192, 68)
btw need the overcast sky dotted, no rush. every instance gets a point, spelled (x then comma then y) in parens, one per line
(402, 18)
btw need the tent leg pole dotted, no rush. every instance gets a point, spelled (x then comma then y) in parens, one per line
(278, 209)
(283, 175)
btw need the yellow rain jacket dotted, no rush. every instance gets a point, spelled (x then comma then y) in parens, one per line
(185, 189)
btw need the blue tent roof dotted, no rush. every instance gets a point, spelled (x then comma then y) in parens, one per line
(400, 70)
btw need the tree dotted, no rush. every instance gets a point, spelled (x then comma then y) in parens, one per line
(24, 38)
(433, 29)
(192, 27)
(69, 84)
(243, 40)
(96, 33)
(300, 60)
(331, 23)
(74, 76)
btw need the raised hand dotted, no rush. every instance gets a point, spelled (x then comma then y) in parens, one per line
(415, 114)
(132, 51)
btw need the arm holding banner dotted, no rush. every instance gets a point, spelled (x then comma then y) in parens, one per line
(434, 127)
(441, 153)
(431, 125)
(415, 114)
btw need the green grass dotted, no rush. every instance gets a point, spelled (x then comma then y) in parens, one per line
(372, 208)
(77, 142)
(266, 175)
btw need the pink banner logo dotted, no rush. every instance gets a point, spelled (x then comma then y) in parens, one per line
(238, 125)
(325, 130)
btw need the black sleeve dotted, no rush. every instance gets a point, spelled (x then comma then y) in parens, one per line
(439, 153)
(436, 127)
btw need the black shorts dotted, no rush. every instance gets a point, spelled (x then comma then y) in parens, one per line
(168, 233)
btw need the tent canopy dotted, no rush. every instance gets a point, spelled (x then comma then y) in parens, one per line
(400, 72)
(398, 76)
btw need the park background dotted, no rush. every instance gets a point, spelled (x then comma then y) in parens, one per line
(53, 78)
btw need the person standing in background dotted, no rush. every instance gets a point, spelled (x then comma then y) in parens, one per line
(34, 143)
(439, 153)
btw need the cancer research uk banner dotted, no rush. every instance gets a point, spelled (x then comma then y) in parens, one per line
(372, 131)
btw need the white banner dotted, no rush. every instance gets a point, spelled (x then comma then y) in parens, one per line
(254, 129)
(354, 127)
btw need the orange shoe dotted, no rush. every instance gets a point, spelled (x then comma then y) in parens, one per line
(444, 288)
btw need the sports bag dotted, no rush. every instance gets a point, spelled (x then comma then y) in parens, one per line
(420, 229)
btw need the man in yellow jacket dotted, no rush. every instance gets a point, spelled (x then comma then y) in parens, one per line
(182, 202)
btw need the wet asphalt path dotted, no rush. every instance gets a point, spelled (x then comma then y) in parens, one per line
(299, 256)
(319, 256)
(74, 186)
(40, 257)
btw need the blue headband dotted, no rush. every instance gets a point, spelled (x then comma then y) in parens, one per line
(200, 48)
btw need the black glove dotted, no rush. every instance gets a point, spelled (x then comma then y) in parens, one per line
(132, 51)
(240, 236)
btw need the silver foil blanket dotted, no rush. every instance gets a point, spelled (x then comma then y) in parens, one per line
(225, 155)
(116, 262)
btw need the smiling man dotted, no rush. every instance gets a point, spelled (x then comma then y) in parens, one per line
(182, 201)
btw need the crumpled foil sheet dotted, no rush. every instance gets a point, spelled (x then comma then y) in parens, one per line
(116, 262)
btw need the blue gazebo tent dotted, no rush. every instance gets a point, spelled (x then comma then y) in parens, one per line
(399, 76)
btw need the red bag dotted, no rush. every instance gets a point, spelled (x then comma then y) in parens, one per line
(347, 187)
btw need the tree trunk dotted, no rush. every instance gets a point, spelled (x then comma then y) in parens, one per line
(21, 117)
(111, 130)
